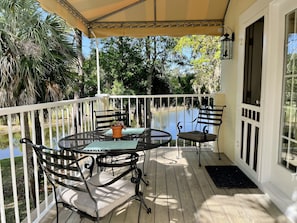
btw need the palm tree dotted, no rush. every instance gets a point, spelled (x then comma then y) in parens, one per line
(34, 53)
(36, 58)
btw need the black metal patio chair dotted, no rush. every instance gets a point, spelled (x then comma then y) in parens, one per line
(207, 128)
(81, 187)
(104, 118)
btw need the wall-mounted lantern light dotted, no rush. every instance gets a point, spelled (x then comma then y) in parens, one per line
(227, 46)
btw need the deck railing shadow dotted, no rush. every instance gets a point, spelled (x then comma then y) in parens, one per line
(181, 191)
(188, 194)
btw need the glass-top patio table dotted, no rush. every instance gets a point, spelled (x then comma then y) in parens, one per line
(102, 142)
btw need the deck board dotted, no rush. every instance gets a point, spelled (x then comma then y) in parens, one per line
(181, 191)
(161, 195)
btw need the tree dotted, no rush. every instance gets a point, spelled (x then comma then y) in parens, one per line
(122, 62)
(36, 57)
(203, 55)
(80, 60)
(158, 57)
(181, 83)
(36, 60)
(90, 80)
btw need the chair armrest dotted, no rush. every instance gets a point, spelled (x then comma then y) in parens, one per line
(205, 129)
(87, 165)
(180, 126)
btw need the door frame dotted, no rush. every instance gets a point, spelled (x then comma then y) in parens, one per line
(254, 13)
(271, 178)
(276, 179)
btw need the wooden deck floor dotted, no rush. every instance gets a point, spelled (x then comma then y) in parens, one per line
(180, 191)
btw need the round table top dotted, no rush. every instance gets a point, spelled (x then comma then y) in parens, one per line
(136, 139)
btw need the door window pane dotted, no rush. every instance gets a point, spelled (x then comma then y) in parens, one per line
(288, 143)
(253, 63)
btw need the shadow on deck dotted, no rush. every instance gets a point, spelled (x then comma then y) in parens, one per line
(180, 191)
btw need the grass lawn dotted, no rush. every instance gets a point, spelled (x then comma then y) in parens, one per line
(7, 188)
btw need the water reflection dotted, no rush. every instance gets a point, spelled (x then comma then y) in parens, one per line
(17, 151)
(167, 120)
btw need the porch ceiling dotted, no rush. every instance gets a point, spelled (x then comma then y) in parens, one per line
(138, 18)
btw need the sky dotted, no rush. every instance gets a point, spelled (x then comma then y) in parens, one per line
(86, 45)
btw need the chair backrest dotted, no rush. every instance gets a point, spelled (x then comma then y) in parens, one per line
(62, 167)
(74, 173)
(104, 119)
(67, 169)
(209, 116)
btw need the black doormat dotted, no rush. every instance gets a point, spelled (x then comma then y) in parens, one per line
(229, 177)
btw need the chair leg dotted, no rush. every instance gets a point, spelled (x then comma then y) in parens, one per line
(146, 182)
(139, 195)
(218, 149)
(57, 211)
(178, 153)
(142, 204)
(198, 150)
(56, 202)
(143, 164)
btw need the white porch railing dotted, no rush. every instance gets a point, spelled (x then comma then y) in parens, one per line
(62, 118)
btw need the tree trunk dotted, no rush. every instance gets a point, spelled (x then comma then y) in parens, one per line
(80, 59)
(151, 62)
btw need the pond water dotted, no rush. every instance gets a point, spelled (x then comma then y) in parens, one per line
(165, 120)
(4, 153)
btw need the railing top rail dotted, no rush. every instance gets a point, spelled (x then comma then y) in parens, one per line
(161, 96)
(32, 107)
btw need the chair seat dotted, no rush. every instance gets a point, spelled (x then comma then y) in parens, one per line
(107, 198)
(197, 136)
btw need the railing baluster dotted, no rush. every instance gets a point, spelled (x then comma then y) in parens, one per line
(42, 125)
(63, 124)
(13, 173)
(2, 210)
(50, 127)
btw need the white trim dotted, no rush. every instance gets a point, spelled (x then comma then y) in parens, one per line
(272, 178)
(278, 197)
(254, 13)
(278, 10)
